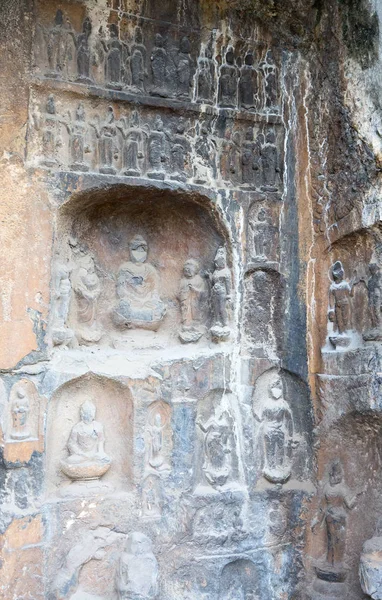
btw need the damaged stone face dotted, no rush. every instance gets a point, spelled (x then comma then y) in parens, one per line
(190, 315)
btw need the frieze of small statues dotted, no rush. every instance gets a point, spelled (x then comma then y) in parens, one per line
(169, 68)
(130, 147)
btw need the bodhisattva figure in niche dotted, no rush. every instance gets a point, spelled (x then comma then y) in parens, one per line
(139, 304)
(87, 288)
(137, 573)
(221, 295)
(20, 411)
(374, 290)
(217, 464)
(336, 500)
(87, 459)
(61, 333)
(155, 429)
(192, 296)
(340, 293)
(277, 434)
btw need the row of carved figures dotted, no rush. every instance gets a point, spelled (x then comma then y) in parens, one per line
(340, 305)
(166, 71)
(139, 305)
(177, 152)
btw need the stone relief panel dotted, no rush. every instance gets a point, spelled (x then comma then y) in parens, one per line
(89, 439)
(217, 465)
(139, 56)
(262, 311)
(353, 315)
(128, 270)
(113, 139)
(282, 429)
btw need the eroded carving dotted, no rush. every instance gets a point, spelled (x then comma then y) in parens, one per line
(87, 289)
(139, 304)
(192, 298)
(156, 150)
(228, 81)
(20, 409)
(137, 575)
(158, 67)
(340, 293)
(151, 498)
(87, 459)
(270, 72)
(61, 333)
(370, 565)
(248, 84)
(115, 54)
(270, 162)
(221, 285)
(83, 52)
(206, 76)
(374, 292)
(262, 235)
(137, 62)
(77, 140)
(184, 74)
(132, 152)
(276, 434)
(158, 435)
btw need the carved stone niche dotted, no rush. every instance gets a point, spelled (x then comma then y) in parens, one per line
(216, 461)
(22, 423)
(89, 437)
(139, 267)
(243, 579)
(352, 276)
(262, 311)
(283, 429)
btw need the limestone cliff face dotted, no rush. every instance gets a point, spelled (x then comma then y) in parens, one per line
(190, 315)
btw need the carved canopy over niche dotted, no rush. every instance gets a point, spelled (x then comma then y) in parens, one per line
(136, 266)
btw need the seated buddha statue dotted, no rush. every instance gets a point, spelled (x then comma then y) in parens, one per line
(87, 459)
(140, 305)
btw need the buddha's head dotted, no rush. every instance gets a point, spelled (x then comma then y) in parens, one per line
(191, 268)
(138, 249)
(87, 411)
(221, 258)
(335, 473)
(338, 271)
(276, 389)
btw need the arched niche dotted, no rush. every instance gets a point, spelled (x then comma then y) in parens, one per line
(114, 411)
(98, 227)
(244, 579)
(283, 422)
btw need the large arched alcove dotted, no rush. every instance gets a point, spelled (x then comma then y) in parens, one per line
(98, 232)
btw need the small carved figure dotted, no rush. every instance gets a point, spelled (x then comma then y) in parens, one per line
(206, 77)
(179, 151)
(228, 81)
(158, 67)
(336, 499)
(151, 498)
(217, 464)
(192, 296)
(60, 46)
(114, 58)
(269, 69)
(20, 409)
(106, 144)
(61, 334)
(137, 62)
(340, 292)
(184, 68)
(139, 304)
(77, 140)
(248, 84)
(50, 134)
(270, 162)
(262, 236)
(156, 150)
(221, 295)
(234, 159)
(374, 291)
(277, 434)
(132, 154)
(137, 574)
(155, 430)
(83, 52)
(370, 565)
(87, 459)
(87, 288)
(205, 149)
